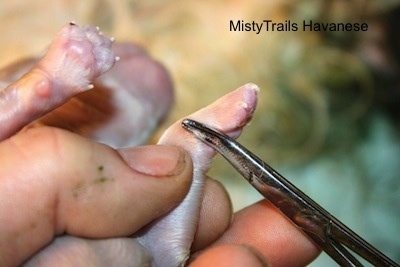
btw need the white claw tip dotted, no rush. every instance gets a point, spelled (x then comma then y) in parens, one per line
(244, 105)
(117, 58)
(90, 86)
(112, 39)
(252, 86)
(97, 28)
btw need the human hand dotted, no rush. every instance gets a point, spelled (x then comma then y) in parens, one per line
(69, 187)
(58, 183)
(258, 234)
(54, 183)
(36, 146)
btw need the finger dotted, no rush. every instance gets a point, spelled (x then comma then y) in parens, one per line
(229, 256)
(263, 227)
(54, 182)
(215, 215)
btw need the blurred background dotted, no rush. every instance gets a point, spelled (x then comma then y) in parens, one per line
(328, 114)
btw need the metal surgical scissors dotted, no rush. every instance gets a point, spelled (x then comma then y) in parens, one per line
(326, 231)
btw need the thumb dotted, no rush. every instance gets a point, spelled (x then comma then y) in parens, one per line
(53, 182)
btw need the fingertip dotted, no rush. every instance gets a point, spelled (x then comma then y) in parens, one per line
(229, 256)
(272, 234)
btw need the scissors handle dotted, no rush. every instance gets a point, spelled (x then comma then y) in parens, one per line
(324, 229)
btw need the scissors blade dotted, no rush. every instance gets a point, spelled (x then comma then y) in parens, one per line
(324, 229)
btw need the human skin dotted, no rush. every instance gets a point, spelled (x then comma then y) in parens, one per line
(35, 200)
(74, 204)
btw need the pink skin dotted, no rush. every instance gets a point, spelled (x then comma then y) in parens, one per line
(122, 110)
(76, 56)
(127, 104)
(120, 103)
(170, 238)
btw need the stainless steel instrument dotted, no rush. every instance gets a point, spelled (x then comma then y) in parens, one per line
(324, 229)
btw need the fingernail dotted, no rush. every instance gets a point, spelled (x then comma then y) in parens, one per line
(156, 160)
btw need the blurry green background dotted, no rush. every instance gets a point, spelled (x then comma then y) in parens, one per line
(328, 114)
